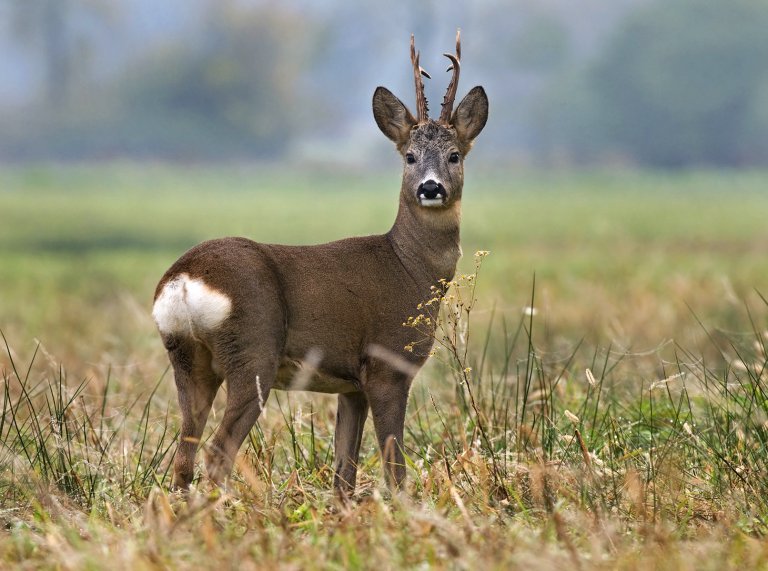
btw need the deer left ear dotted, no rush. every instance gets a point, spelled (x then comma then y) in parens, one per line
(470, 116)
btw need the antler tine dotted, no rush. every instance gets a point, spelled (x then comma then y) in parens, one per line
(450, 94)
(422, 106)
(458, 44)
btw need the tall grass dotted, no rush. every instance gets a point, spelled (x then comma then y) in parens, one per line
(671, 441)
(54, 440)
(538, 435)
(596, 445)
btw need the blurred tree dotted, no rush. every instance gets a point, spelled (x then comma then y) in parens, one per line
(48, 26)
(542, 44)
(566, 121)
(235, 92)
(685, 82)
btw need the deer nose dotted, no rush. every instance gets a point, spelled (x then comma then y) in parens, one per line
(431, 189)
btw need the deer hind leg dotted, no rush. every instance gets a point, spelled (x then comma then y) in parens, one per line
(248, 386)
(387, 393)
(197, 385)
(350, 420)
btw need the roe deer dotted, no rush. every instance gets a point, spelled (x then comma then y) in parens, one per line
(250, 313)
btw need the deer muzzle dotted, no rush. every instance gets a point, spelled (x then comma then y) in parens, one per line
(431, 193)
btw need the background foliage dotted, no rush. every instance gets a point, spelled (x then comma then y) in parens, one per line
(664, 83)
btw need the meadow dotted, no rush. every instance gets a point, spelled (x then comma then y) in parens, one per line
(600, 402)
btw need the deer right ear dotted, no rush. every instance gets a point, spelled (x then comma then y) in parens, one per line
(392, 117)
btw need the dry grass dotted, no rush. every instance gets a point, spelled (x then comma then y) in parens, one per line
(623, 424)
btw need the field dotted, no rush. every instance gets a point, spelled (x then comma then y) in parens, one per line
(603, 404)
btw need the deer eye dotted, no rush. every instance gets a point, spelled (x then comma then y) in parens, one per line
(453, 158)
(409, 158)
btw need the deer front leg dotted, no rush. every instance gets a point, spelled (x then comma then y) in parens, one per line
(248, 387)
(350, 420)
(387, 393)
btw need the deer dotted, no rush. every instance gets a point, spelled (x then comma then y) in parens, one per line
(327, 318)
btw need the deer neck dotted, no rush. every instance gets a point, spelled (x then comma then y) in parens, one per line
(427, 240)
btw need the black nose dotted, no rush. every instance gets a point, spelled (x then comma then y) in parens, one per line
(431, 189)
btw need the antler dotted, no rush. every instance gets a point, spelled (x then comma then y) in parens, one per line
(422, 108)
(450, 94)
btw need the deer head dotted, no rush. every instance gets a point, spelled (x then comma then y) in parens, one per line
(433, 151)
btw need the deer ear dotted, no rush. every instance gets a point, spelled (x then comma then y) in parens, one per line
(470, 116)
(392, 116)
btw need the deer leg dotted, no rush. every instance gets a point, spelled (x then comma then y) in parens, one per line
(197, 385)
(387, 394)
(350, 420)
(247, 390)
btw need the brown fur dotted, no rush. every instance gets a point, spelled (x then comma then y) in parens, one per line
(341, 299)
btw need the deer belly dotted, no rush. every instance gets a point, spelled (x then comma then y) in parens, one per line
(294, 375)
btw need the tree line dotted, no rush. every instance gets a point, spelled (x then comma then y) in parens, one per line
(673, 83)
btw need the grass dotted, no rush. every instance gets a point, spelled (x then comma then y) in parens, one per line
(613, 414)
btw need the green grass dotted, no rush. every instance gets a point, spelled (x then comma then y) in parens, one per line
(518, 457)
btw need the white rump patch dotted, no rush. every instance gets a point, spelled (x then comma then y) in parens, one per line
(186, 305)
